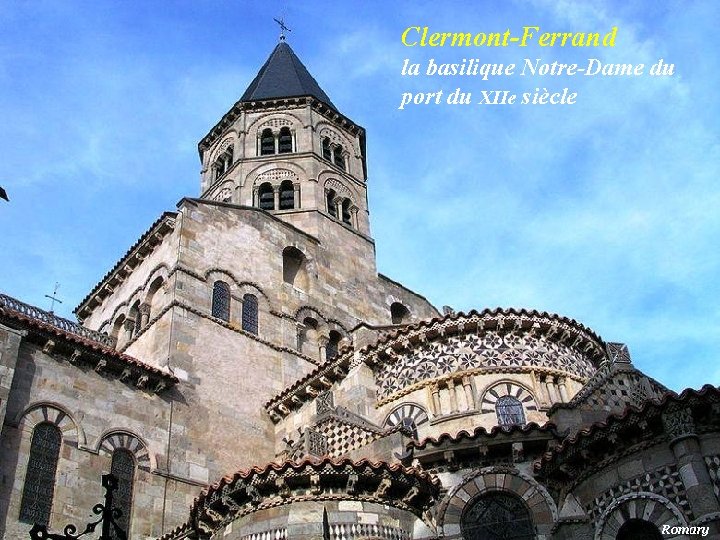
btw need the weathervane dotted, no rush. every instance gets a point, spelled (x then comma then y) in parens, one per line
(283, 28)
(53, 297)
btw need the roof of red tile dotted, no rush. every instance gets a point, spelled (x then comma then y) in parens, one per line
(90, 344)
(481, 432)
(630, 413)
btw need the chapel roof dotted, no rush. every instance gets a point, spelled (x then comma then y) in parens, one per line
(282, 76)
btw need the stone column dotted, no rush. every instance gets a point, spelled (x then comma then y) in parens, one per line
(469, 397)
(680, 428)
(322, 345)
(550, 389)
(128, 327)
(296, 195)
(354, 217)
(255, 200)
(276, 195)
(144, 314)
(338, 208)
(435, 402)
(563, 390)
(453, 397)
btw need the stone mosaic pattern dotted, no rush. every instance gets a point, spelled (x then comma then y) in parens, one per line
(492, 349)
(713, 465)
(664, 481)
(342, 437)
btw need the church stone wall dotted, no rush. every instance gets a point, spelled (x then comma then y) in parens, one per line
(95, 414)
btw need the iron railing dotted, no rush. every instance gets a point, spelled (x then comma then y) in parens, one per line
(8, 302)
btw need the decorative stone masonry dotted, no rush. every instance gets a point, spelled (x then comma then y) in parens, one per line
(290, 482)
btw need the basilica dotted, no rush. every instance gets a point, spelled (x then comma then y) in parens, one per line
(246, 373)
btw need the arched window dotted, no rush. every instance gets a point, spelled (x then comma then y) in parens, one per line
(638, 529)
(123, 467)
(285, 141)
(338, 157)
(326, 150)
(307, 336)
(294, 268)
(510, 411)
(408, 415)
(267, 142)
(331, 349)
(135, 316)
(498, 515)
(37, 497)
(221, 301)
(250, 313)
(287, 195)
(330, 199)
(266, 197)
(346, 217)
(399, 314)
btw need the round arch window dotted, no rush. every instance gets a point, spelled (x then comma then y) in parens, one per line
(638, 529)
(498, 515)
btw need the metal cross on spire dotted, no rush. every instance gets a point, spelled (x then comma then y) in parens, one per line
(283, 28)
(53, 297)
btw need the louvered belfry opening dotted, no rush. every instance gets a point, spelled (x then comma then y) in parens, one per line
(266, 197)
(287, 195)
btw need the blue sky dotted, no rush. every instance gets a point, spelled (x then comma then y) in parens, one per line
(605, 211)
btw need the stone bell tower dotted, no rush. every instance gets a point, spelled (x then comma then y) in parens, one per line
(285, 148)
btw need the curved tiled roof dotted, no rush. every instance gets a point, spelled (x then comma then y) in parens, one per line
(481, 432)
(506, 315)
(91, 348)
(631, 417)
(278, 484)
(425, 330)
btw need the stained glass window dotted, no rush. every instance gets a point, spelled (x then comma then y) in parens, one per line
(221, 301)
(39, 485)
(497, 516)
(638, 529)
(123, 467)
(510, 411)
(250, 313)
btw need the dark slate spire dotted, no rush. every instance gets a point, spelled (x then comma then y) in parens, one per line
(284, 75)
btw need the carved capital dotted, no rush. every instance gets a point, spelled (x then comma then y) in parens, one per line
(679, 423)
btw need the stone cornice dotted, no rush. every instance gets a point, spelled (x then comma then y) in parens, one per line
(671, 417)
(310, 386)
(279, 484)
(552, 326)
(143, 247)
(78, 350)
(219, 129)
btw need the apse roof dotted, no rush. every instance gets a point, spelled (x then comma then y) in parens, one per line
(283, 75)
